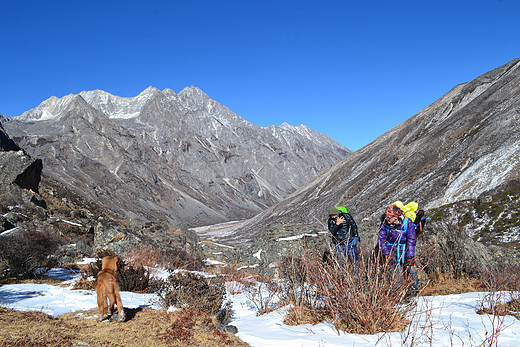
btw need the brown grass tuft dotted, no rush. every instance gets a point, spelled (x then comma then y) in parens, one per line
(145, 327)
(446, 284)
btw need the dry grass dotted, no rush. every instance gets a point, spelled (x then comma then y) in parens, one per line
(40, 280)
(302, 315)
(144, 327)
(510, 308)
(448, 284)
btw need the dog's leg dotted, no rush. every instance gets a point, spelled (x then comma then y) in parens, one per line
(112, 302)
(119, 303)
(102, 304)
(121, 314)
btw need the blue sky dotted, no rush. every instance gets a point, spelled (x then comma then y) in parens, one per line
(349, 69)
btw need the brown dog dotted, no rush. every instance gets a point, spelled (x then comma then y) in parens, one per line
(108, 288)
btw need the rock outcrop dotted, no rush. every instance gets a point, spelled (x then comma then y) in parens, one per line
(19, 177)
(110, 235)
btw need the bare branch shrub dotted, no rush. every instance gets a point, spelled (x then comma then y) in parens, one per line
(416, 333)
(504, 288)
(494, 306)
(501, 304)
(236, 280)
(187, 289)
(297, 288)
(130, 278)
(27, 254)
(366, 298)
(506, 278)
(263, 295)
(155, 258)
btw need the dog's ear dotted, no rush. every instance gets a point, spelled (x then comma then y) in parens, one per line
(115, 261)
(104, 262)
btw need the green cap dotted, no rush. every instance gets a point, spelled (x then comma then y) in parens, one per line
(342, 209)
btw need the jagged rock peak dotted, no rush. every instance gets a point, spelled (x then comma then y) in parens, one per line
(193, 92)
(48, 109)
(281, 132)
(169, 93)
(112, 105)
(149, 91)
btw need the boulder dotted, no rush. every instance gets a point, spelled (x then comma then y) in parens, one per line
(116, 237)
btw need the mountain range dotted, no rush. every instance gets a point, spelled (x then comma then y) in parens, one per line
(182, 158)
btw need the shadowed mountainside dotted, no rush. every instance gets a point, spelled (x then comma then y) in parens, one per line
(464, 145)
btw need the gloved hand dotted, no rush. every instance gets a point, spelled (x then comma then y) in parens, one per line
(390, 260)
(410, 261)
(353, 242)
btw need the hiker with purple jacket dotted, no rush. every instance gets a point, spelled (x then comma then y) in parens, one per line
(397, 242)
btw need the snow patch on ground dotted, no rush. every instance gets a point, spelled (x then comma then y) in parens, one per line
(439, 321)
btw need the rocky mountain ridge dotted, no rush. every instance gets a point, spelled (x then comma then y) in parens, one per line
(183, 158)
(463, 146)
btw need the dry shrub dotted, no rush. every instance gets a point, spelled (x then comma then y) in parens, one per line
(187, 289)
(264, 295)
(297, 286)
(181, 328)
(187, 322)
(133, 279)
(298, 289)
(504, 288)
(506, 278)
(191, 327)
(492, 305)
(130, 278)
(236, 280)
(367, 298)
(235, 287)
(147, 256)
(155, 258)
(27, 254)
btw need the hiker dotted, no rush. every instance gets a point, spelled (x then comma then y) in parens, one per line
(397, 242)
(344, 234)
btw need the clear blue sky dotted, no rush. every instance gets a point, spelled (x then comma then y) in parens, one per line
(349, 69)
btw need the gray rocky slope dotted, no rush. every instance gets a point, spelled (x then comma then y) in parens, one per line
(182, 158)
(463, 146)
(67, 229)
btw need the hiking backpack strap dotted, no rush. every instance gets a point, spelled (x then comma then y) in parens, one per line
(401, 248)
(419, 222)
